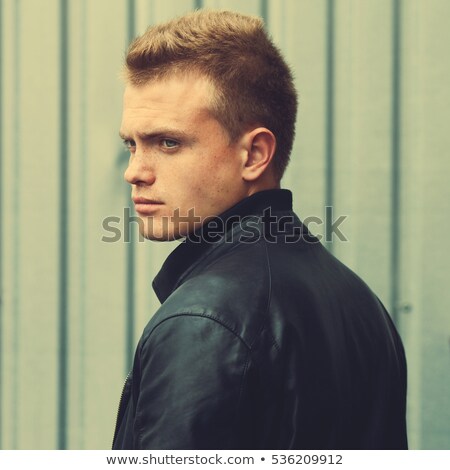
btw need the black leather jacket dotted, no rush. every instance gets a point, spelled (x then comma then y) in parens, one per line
(264, 340)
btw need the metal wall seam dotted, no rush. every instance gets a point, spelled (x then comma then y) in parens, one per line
(16, 307)
(395, 155)
(329, 123)
(264, 11)
(130, 252)
(63, 231)
(83, 224)
(1, 226)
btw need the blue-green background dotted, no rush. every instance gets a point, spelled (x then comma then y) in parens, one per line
(373, 141)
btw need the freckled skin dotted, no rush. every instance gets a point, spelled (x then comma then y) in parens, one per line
(201, 169)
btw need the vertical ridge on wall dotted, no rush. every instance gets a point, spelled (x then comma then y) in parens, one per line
(198, 4)
(395, 176)
(329, 133)
(83, 225)
(16, 228)
(1, 226)
(63, 231)
(130, 252)
(264, 8)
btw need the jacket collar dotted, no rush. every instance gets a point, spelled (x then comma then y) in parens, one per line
(197, 245)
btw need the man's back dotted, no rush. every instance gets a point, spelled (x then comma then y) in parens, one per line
(265, 341)
(346, 366)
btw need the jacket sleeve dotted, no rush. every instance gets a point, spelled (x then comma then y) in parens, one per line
(193, 370)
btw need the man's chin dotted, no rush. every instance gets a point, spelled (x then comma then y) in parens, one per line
(160, 234)
(160, 231)
(161, 237)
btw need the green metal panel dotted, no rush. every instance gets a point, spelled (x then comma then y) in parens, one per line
(300, 29)
(1, 224)
(30, 220)
(97, 281)
(425, 195)
(372, 141)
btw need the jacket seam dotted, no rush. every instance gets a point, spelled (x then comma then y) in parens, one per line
(242, 385)
(203, 315)
(269, 301)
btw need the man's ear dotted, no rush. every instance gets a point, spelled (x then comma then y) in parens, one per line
(260, 145)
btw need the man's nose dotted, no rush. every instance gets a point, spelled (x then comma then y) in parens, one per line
(138, 171)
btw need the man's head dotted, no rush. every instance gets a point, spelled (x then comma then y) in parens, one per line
(215, 80)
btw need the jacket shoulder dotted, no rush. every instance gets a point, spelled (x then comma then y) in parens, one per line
(233, 290)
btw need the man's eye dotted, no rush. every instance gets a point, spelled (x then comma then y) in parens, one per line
(129, 144)
(169, 143)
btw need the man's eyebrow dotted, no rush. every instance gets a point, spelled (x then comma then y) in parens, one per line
(160, 132)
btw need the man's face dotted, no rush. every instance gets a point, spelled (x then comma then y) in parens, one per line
(182, 167)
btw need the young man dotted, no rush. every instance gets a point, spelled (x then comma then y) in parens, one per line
(263, 340)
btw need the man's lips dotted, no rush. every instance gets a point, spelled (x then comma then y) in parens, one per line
(146, 206)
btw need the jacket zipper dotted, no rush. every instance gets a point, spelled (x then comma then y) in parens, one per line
(119, 409)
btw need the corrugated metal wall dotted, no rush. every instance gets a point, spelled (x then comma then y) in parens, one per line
(373, 142)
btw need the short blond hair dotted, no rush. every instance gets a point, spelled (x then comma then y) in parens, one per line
(253, 83)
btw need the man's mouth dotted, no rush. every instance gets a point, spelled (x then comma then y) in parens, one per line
(146, 206)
